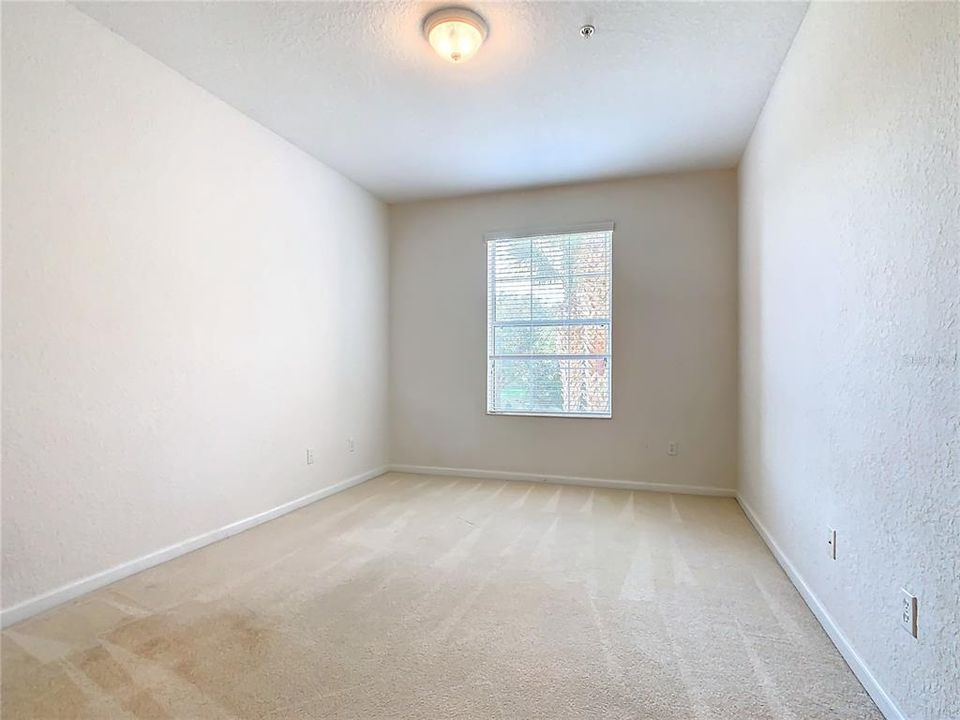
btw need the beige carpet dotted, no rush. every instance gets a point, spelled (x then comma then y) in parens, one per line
(415, 597)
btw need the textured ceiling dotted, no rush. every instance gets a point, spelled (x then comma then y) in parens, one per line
(662, 86)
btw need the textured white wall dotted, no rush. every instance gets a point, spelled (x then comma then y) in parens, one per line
(849, 331)
(189, 303)
(674, 334)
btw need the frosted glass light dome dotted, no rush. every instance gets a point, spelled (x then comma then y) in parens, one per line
(455, 33)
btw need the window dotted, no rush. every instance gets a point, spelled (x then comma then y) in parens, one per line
(549, 322)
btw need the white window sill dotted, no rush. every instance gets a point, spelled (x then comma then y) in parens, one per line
(586, 416)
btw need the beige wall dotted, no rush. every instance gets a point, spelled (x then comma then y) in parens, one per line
(189, 303)
(674, 334)
(850, 322)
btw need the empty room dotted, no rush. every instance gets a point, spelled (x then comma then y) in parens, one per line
(522, 360)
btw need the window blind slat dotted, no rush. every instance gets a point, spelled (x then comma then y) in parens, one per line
(549, 324)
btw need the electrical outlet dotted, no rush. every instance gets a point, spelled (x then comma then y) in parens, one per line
(908, 612)
(832, 544)
(309, 456)
(673, 448)
(351, 445)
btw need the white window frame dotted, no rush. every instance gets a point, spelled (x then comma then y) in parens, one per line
(603, 226)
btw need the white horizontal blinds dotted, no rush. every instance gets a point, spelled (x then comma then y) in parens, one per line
(549, 332)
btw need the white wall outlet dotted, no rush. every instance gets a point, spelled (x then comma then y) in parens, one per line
(673, 448)
(908, 612)
(832, 544)
(351, 445)
(309, 456)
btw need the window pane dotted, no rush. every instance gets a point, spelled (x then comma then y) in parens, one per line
(528, 386)
(586, 386)
(589, 297)
(513, 300)
(549, 300)
(577, 387)
(551, 340)
(512, 340)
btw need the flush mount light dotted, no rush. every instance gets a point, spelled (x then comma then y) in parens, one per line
(455, 33)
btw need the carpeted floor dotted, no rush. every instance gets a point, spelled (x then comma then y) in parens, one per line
(432, 598)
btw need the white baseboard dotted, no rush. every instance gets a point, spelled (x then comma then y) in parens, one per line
(28, 608)
(564, 480)
(883, 701)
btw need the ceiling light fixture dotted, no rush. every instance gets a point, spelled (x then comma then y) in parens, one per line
(455, 33)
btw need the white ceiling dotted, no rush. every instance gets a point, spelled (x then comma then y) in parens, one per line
(661, 86)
